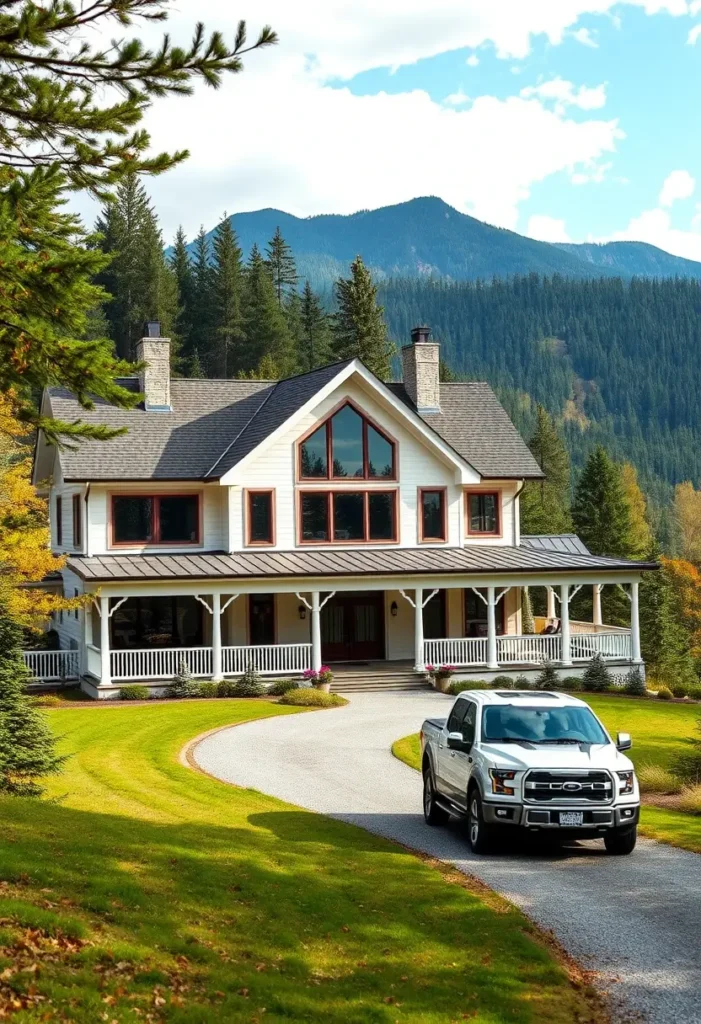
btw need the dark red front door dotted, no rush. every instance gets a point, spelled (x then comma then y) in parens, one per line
(353, 627)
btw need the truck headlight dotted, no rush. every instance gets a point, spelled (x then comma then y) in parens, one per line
(500, 777)
(626, 783)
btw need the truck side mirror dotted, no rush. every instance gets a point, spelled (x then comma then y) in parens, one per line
(456, 742)
(623, 741)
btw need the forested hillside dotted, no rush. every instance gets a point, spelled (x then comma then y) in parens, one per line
(615, 362)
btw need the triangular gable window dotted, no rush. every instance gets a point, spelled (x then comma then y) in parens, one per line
(347, 446)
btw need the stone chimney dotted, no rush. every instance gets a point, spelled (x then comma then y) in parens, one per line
(420, 362)
(154, 379)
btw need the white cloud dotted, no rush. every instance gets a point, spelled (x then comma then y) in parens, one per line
(593, 175)
(457, 99)
(677, 185)
(585, 37)
(694, 34)
(564, 94)
(473, 60)
(547, 229)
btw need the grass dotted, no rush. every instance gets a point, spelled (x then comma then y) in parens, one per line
(147, 891)
(660, 731)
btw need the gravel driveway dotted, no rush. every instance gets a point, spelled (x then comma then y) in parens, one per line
(636, 920)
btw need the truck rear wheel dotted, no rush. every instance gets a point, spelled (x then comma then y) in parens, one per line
(478, 831)
(621, 841)
(433, 812)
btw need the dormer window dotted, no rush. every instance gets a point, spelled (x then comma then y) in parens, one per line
(347, 447)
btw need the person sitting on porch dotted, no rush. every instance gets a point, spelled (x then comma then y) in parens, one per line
(550, 627)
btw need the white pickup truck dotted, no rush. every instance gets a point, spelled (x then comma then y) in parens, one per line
(540, 761)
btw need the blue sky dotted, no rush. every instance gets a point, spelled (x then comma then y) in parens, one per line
(562, 119)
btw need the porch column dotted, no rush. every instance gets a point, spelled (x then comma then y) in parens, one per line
(316, 631)
(565, 654)
(217, 673)
(550, 612)
(491, 630)
(596, 595)
(419, 663)
(635, 623)
(105, 668)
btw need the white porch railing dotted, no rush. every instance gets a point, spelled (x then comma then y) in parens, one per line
(458, 651)
(611, 646)
(528, 650)
(269, 660)
(160, 663)
(50, 666)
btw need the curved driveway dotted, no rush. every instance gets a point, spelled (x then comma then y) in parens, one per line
(636, 920)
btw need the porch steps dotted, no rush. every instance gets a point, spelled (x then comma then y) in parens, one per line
(373, 680)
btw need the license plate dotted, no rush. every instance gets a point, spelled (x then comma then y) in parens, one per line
(571, 817)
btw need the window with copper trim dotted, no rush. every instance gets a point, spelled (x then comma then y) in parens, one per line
(155, 519)
(77, 521)
(260, 517)
(433, 524)
(347, 517)
(483, 513)
(347, 446)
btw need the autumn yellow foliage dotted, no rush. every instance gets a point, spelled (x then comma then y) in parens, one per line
(687, 510)
(686, 580)
(25, 555)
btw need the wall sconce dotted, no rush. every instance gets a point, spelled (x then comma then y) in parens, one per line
(302, 612)
(393, 609)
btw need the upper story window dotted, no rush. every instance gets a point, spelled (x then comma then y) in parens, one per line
(77, 521)
(59, 521)
(483, 513)
(343, 517)
(347, 446)
(433, 524)
(260, 517)
(155, 519)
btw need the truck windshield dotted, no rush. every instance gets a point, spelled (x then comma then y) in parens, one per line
(506, 723)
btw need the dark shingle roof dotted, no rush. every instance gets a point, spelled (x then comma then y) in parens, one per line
(349, 562)
(565, 542)
(215, 423)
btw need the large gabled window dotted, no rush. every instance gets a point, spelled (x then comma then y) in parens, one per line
(347, 446)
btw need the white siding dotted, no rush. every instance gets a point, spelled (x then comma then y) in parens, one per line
(67, 625)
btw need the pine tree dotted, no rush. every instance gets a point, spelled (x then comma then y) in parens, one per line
(359, 328)
(664, 641)
(600, 509)
(544, 503)
(315, 335)
(228, 354)
(202, 338)
(264, 322)
(138, 278)
(281, 266)
(597, 677)
(182, 271)
(27, 745)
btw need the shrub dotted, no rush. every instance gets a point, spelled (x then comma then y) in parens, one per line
(522, 683)
(307, 697)
(688, 766)
(475, 684)
(571, 683)
(653, 778)
(664, 693)
(679, 689)
(249, 685)
(503, 683)
(282, 686)
(635, 684)
(225, 688)
(207, 689)
(597, 677)
(690, 799)
(134, 692)
(695, 691)
(47, 700)
(184, 685)
(548, 678)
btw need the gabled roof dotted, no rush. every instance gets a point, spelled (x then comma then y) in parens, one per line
(214, 424)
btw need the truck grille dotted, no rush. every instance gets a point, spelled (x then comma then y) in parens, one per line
(542, 787)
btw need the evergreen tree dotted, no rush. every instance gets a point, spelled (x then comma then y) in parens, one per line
(202, 339)
(281, 265)
(182, 271)
(597, 677)
(315, 335)
(359, 328)
(138, 278)
(600, 509)
(544, 503)
(664, 641)
(27, 745)
(228, 354)
(264, 322)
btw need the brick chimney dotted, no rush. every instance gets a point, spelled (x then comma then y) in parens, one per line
(154, 379)
(420, 362)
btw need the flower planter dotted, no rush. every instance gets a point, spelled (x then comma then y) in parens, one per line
(324, 687)
(442, 684)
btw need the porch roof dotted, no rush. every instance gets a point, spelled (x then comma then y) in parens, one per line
(341, 562)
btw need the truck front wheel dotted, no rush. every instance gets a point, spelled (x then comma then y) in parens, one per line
(478, 831)
(621, 841)
(433, 812)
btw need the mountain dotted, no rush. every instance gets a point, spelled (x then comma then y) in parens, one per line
(427, 238)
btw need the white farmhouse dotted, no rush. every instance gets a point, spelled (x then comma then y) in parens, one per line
(326, 518)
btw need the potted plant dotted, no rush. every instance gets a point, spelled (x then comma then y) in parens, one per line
(320, 680)
(439, 676)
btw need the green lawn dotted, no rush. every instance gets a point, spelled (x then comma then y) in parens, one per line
(146, 891)
(659, 732)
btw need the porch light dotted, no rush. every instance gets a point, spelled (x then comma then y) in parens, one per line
(302, 612)
(393, 609)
